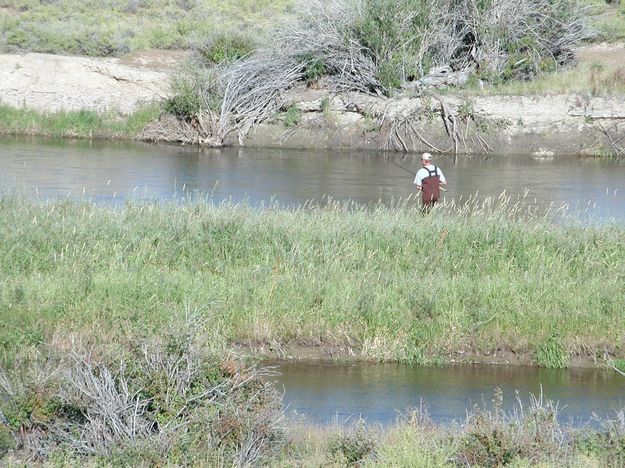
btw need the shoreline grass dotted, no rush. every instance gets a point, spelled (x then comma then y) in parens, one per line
(180, 398)
(76, 124)
(117, 324)
(387, 282)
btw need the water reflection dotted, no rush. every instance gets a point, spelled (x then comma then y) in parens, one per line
(109, 172)
(323, 391)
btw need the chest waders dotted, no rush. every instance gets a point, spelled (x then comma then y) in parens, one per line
(430, 188)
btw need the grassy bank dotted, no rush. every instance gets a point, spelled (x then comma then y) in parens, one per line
(75, 124)
(119, 26)
(388, 282)
(117, 326)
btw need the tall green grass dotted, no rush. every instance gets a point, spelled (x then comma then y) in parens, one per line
(75, 124)
(387, 282)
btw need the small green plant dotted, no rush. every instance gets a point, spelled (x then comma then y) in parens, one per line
(225, 48)
(552, 354)
(315, 69)
(292, 117)
(466, 109)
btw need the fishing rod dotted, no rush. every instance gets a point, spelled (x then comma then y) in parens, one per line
(402, 167)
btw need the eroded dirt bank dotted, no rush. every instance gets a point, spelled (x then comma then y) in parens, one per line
(333, 352)
(50, 83)
(541, 125)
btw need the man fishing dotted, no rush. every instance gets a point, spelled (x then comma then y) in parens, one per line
(429, 180)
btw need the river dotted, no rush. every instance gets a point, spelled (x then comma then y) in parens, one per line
(325, 392)
(114, 172)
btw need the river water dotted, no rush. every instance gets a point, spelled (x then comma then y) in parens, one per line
(323, 392)
(113, 172)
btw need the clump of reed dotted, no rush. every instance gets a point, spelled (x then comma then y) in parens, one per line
(387, 282)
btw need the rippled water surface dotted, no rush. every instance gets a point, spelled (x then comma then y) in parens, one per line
(322, 392)
(112, 172)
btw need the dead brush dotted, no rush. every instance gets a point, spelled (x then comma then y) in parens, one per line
(150, 397)
(376, 47)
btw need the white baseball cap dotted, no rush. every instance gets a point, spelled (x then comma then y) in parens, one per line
(426, 157)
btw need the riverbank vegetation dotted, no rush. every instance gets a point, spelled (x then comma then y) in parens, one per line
(178, 397)
(385, 283)
(174, 397)
(379, 47)
(117, 27)
(76, 124)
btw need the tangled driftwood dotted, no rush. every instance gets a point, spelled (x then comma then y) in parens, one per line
(509, 38)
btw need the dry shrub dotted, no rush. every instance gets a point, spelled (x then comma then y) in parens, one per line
(616, 81)
(354, 445)
(493, 438)
(377, 46)
(157, 396)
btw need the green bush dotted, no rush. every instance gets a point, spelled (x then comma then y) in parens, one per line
(193, 88)
(315, 68)
(292, 117)
(225, 48)
(392, 41)
(551, 354)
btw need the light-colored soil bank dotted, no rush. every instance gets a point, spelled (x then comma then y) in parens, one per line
(544, 125)
(541, 125)
(305, 352)
(51, 83)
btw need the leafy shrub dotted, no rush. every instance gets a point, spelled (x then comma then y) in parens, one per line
(314, 69)
(192, 89)
(608, 444)
(292, 117)
(225, 48)
(389, 30)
